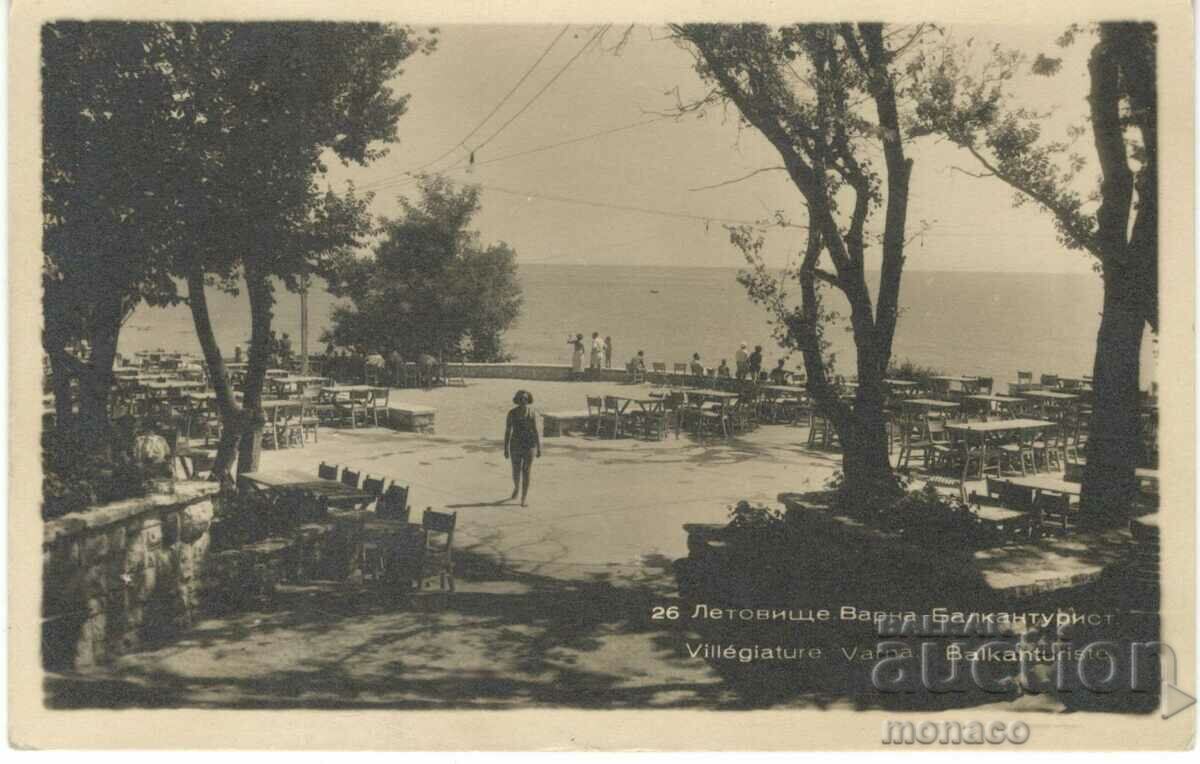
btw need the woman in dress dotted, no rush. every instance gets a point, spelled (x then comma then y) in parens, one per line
(521, 442)
(576, 355)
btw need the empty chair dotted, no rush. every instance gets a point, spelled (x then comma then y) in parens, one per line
(1054, 510)
(1024, 377)
(393, 504)
(659, 368)
(983, 385)
(595, 406)
(1020, 452)
(1050, 448)
(680, 374)
(611, 416)
(439, 546)
(327, 471)
(350, 478)
(373, 485)
(938, 448)
(1050, 380)
(377, 405)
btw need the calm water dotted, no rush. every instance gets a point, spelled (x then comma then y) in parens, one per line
(973, 323)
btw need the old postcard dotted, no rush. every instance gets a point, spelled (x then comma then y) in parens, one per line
(498, 376)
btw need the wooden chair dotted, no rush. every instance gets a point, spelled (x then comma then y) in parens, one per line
(310, 416)
(1054, 509)
(913, 439)
(1019, 451)
(272, 434)
(327, 471)
(938, 449)
(393, 504)
(660, 369)
(1050, 448)
(1024, 377)
(680, 375)
(439, 546)
(350, 478)
(983, 385)
(595, 405)
(611, 416)
(376, 404)
(373, 486)
(1050, 381)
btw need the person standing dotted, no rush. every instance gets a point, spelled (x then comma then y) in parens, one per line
(697, 368)
(597, 350)
(741, 361)
(576, 355)
(521, 442)
(754, 363)
(608, 352)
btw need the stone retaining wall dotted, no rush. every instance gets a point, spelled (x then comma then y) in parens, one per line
(123, 574)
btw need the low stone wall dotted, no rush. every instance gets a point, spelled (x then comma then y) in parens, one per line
(532, 371)
(123, 574)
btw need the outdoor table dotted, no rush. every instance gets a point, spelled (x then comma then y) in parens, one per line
(1002, 402)
(647, 407)
(719, 396)
(928, 404)
(900, 383)
(1049, 395)
(271, 481)
(951, 378)
(985, 429)
(1054, 483)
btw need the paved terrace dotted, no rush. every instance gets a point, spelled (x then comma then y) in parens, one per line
(554, 599)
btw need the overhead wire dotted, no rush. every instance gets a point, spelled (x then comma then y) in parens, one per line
(496, 108)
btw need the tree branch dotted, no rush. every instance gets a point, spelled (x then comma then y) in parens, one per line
(739, 180)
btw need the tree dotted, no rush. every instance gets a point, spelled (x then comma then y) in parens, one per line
(1117, 223)
(265, 106)
(192, 151)
(107, 223)
(803, 87)
(429, 286)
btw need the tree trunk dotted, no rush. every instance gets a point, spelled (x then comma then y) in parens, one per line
(866, 468)
(1114, 438)
(230, 413)
(96, 377)
(61, 373)
(261, 302)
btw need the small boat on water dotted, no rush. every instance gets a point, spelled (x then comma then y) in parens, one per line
(653, 291)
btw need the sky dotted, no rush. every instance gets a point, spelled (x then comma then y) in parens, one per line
(663, 164)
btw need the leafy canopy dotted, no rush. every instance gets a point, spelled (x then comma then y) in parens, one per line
(428, 285)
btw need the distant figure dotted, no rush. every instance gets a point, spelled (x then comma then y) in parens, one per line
(697, 368)
(396, 363)
(375, 368)
(723, 369)
(237, 354)
(521, 442)
(273, 348)
(427, 369)
(608, 352)
(754, 363)
(639, 361)
(285, 348)
(779, 375)
(742, 360)
(597, 350)
(576, 355)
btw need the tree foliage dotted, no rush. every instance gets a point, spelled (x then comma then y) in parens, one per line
(428, 285)
(826, 97)
(1115, 218)
(195, 151)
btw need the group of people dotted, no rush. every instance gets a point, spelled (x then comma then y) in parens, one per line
(747, 366)
(602, 352)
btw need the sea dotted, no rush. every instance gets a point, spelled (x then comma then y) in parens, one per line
(988, 324)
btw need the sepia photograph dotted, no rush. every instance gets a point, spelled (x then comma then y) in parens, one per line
(732, 365)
